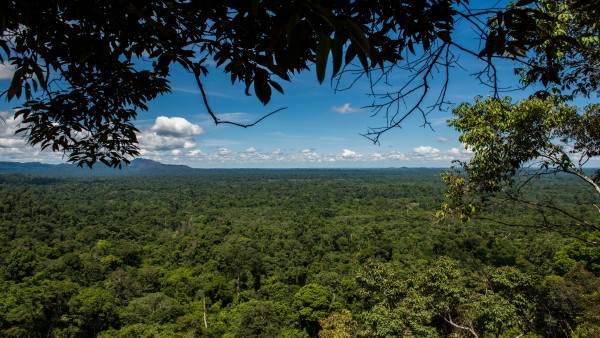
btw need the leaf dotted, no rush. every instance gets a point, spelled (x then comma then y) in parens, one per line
(2, 21)
(5, 48)
(15, 85)
(358, 36)
(524, 3)
(350, 54)
(254, 4)
(411, 47)
(365, 63)
(337, 52)
(262, 88)
(276, 85)
(323, 48)
(39, 73)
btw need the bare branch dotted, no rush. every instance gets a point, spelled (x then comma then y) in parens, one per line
(540, 206)
(469, 329)
(197, 74)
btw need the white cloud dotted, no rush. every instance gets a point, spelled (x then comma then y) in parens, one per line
(6, 71)
(175, 126)
(179, 146)
(425, 150)
(153, 141)
(224, 152)
(236, 117)
(217, 142)
(396, 156)
(346, 153)
(346, 109)
(195, 153)
(186, 90)
(168, 134)
(428, 153)
(443, 139)
(15, 147)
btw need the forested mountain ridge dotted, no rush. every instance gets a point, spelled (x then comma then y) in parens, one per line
(138, 165)
(285, 253)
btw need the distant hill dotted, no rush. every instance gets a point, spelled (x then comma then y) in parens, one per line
(144, 165)
(137, 166)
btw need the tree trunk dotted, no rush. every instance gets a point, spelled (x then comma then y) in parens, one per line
(204, 312)
(238, 287)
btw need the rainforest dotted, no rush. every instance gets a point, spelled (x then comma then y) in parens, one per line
(288, 253)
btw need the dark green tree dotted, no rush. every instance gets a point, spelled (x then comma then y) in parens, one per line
(93, 310)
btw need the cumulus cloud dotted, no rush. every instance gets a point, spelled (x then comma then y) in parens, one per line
(8, 127)
(346, 153)
(428, 153)
(169, 134)
(425, 150)
(6, 71)
(15, 148)
(171, 140)
(346, 109)
(175, 127)
(195, 153)
(153, 141)
(224, 152)
(251, 156)
(396, 156)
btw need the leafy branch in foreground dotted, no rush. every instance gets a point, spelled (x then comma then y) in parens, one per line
(86, 69)
(513, 143)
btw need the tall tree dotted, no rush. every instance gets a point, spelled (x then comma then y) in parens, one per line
(516, 142)
(513, 143)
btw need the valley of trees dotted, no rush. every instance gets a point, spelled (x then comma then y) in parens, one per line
(289, 253)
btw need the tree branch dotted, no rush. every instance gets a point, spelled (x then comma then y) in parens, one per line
(469, 329)
(216, 120)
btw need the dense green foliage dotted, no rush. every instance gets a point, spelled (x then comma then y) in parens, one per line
(513, 143)
(284, 254)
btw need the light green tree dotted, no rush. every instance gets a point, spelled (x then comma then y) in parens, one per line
(513, 143)
(312, 303)
(93, 310)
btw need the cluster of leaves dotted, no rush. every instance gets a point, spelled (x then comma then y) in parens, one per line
(280, 254)
(558, 40)
(515, 142)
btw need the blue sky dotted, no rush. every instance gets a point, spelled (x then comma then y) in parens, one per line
(318, 128)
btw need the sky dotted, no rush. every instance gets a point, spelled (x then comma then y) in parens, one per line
(318, 129)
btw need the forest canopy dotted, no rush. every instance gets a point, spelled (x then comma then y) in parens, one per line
(85, 70)
(286, 253)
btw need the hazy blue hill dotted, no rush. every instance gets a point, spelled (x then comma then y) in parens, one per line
(137, 166)
(141, 165)
(18, 167)
(145, 167)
